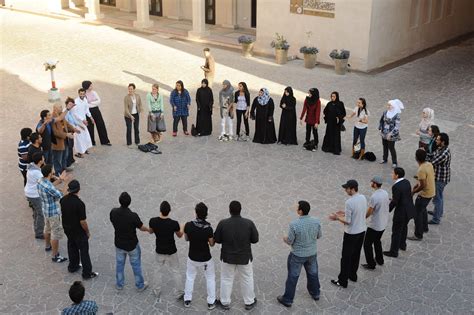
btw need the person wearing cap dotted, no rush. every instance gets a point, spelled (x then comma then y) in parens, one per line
(77, 231)
(353, 218)
(378, 213)
(389, 127)
(94, 101)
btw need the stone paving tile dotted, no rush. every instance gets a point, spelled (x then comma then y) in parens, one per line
(432, 277)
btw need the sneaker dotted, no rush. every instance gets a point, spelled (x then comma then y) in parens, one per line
(187, 304)
(394, 165)
(221, 138)
(118, 287)
(225, 307)
(414, 238)
(145, 285)
(157, 292)
(59, 259)
(92, 275)
(211, 306)
(280, 300)
(248, 307)
(432, 222)
(383, 162)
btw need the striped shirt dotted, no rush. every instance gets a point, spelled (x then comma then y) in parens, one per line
(23, 149)
(50, 197)
(302, 235)
(83, 308)
(441, 161)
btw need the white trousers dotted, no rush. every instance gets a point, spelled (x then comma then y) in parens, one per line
(226, 122)
(170, 265)
(209, 272)
(246, 282)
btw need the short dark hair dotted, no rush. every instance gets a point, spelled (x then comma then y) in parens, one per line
(86, 84)
(132, 85)
(25, 133)
(34, 136)
(435, 130)
(125, 200)
(400, 172)
(81, 90)
(77, 292)
(165, 208)
(443, 137)
(46, 169)
(206, 49)
(420, 155)
(68, 99)
(44, 113)
(304, 207)
(36, 157)
(201, 211)
(235, 207)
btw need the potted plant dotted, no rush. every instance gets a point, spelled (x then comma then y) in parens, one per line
(281, 49)
(247, 45)
(340, 58)
(309, 52)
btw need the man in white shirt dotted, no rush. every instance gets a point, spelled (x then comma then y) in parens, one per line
(31, 192)
(378, 212)
(353, 218)
(82, 141)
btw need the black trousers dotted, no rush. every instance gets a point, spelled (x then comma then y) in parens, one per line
(310, 128)
(136, 128)
(421, 216)
(351, 247)
(240, 114)
(372, 237)
(389, 146)
(399, 236)
(23, 173)
(78, 252)
(184, 120)
(70, 149)
(99, 122)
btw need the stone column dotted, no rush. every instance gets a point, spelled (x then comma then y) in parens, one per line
(143, 15)
(199, 20)
(229, 13)
(93, 7)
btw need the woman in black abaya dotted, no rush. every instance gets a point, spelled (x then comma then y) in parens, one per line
(205, 102)
(287, 130)
(262, 113)
(334, 114)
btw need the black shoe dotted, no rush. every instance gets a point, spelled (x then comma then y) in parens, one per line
(414, 238)
(368, 267)
(381, 263)
(431, 212)
(426, 230)
(280, 300)
(338, 284)
(187, 304)
(225, 307)
(108, 144)
(432, 222)
(59, 259)
(40, 237)
(316, 298)
(248, 307)
(73, 270)
(390, 254)
(353, 279)
(48, 249)
(92, 275)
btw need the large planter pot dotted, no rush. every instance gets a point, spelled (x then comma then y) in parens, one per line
(310, 60)
(247, 49)
(340, 66)
(281, 56)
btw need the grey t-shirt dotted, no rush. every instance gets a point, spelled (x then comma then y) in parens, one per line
(356, 208)
(380, 203)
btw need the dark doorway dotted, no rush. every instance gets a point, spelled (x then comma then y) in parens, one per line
(253, 19)
(156, 7)
(107, 2)
(210, 12)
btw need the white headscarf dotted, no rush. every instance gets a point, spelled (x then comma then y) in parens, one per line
(428, 121)
(397, 107)
(263, 100)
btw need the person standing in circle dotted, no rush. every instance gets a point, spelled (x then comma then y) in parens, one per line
(132, 109)
(205, 103)
(360, 126)
(180, 101)
(242, 101)
(427, 117)
(262, 112)
(312, 109)
(389, 127)
(94, 102)
(156, 120)
(287, 130)
(334, 114)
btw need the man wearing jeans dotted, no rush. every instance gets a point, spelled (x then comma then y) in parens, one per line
(125, 223)
(33, 175)
(441, 162)
(302, 237)
(236, 234)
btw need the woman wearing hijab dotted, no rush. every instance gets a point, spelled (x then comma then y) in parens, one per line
(427, 117)
(390, 130)
(94, 102)
(312, 109)
(205, 102)
(334, 114)
(226, 104)
(180, 101)
(242, 101)
(262, 113)
(287, 130)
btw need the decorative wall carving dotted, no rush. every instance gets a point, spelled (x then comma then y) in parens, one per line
(313, 7)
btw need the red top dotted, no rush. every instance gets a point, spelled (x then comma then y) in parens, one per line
(312, 113)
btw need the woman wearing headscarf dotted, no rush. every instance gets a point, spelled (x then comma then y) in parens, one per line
(262, 112)
(94, 102)
(427, 118)
(242, 101)
(226, 104)
(205, 102)
(334, 114)
(287, 130)
(312, 109)
(389, 127)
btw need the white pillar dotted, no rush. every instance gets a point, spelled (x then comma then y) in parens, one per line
(57, 5)
(199, 20)
(143, 15)
(93, 10)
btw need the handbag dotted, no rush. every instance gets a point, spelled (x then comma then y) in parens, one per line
(160, 124)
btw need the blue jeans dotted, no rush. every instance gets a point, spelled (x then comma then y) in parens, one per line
(294, 269)
(359, 133)
(58, 161)
(135, 262)
(438, 201)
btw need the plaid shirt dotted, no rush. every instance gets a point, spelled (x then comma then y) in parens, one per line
(83, 308)
(181, 101)
(302, 235)
(50, 196)
(441, 161)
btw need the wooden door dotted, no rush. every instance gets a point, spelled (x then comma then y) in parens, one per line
(156, 7)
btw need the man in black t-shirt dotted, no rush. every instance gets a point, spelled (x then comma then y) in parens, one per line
(35, 146)
(75, 226)
(200, 235)
(166, 253)
(125, 223)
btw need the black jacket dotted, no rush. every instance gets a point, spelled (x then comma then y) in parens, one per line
(247, 98)
(402, 201)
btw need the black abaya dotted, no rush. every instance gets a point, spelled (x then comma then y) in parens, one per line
(205, 101)
(264, 124)
(332, 138)
(287, 130)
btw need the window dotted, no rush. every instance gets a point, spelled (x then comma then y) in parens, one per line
(414, 13)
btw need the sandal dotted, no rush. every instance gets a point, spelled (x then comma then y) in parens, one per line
(78, 155)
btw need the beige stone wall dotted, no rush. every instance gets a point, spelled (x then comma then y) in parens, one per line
(417, 25)
(244, 13)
